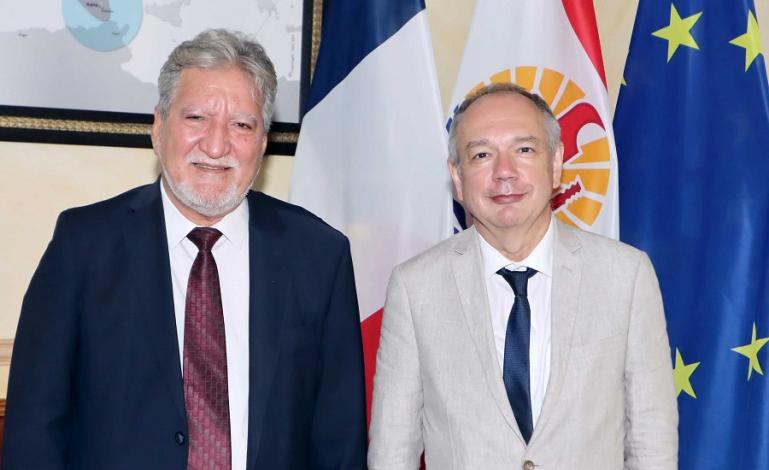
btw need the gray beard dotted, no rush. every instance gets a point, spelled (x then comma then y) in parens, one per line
(218, 205)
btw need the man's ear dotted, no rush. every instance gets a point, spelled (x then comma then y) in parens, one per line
(264, 142)
(156, 128)
(557, 166)
(456, 177)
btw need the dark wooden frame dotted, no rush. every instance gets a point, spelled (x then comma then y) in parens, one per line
(81, 127)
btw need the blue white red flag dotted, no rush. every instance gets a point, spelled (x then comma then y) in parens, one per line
(371, 156)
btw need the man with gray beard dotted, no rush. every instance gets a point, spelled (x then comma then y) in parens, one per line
(192, 323)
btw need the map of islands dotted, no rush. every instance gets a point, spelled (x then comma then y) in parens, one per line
(104, 55)
(94, 24)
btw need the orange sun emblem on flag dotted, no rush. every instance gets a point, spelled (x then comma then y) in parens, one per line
(586, 166)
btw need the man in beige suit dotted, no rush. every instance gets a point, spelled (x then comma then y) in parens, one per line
(521, 342)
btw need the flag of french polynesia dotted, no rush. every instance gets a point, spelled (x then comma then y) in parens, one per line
(371, 156)
(551, 47)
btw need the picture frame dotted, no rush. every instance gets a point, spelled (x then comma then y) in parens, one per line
(39, 123)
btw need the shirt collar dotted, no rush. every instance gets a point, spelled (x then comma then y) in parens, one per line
(234, 226)
(540, 259)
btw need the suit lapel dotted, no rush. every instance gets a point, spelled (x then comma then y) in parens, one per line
(567, 273)
(149, 270)
(470, 285)
(269, 302)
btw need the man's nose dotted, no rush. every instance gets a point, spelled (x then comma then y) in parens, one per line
(505, 167)
(216, 140)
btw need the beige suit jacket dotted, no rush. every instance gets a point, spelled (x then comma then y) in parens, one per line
(610, 402)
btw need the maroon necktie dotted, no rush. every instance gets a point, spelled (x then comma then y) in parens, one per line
(205, 361)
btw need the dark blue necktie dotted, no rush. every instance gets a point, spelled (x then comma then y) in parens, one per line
(515, 371)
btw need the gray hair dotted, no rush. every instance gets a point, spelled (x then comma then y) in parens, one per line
(552, 128)
(215, 49)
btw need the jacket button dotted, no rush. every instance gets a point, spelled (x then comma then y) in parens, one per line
(528, 465)
(179, 437)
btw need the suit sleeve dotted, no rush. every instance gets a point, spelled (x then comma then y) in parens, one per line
(339, 421)
(39, 401)
(651, 440)
(396, 416)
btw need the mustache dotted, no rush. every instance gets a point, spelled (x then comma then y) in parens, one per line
(226, 161)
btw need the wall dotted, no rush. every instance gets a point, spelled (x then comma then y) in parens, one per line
(39, 181)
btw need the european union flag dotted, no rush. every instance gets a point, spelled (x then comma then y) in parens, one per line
(692, 132)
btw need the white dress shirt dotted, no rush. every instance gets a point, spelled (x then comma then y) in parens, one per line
(501, 299)
(232, 261)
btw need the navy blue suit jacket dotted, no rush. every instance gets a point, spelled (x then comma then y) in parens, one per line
(95, 377)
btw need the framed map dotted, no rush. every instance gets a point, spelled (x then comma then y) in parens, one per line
(85, 71)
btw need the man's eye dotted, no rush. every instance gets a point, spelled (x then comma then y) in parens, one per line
(526, 150)
(193, 117)
(244, 125)
(480, 155)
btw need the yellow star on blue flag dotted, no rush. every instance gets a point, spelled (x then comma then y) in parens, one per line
(750, 41)
(682, 373)
(678, 32)
(751, 350)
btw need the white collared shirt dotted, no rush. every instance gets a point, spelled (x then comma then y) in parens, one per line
(501, 299)
(232, 261)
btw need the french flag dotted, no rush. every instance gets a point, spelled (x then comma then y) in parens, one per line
(371, 156)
